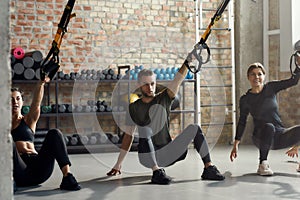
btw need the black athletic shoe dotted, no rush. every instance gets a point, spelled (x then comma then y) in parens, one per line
(160, 177)
(69, 183)
(15, 186)
(212, 173)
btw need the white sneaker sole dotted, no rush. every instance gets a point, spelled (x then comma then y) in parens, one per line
(265, 173)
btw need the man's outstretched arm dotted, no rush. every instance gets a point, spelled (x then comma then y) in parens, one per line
(125, 147)
(176, 82)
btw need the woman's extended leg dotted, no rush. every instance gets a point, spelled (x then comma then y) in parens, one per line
(287, 137)
(54, 148)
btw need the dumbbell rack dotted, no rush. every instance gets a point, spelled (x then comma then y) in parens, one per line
(99, 147)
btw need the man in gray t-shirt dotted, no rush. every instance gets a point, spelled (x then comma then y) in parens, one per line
(156, 149)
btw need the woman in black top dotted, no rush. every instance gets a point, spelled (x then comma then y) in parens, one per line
(260, 101)
(30, 166)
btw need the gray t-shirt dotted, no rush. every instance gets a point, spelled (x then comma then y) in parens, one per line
(154, 114)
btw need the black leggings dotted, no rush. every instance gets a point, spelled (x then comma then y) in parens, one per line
(270, 137)
(31, 169)
(176, 150)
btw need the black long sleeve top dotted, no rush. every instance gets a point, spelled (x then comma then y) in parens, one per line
(263, 106)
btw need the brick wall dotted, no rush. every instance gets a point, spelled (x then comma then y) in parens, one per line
(154, 33)
(287, 99)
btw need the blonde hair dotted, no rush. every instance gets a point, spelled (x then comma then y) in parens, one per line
(144, 72)
(255, 65)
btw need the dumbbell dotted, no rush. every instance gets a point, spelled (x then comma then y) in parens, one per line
(88, 72)
(114, 138)
(101, 76)
(53, 108)
(94, 108)
(78, 108)
(160, 76)
(118, 108)
(101, 106)
(69, 108)
(92, 140)
(105, 71)
(90, 102)
(25, 110)
(61, 108)
(73, 141)
(77, 76)
(100, 137)
(108, 109)
(119, 76)
(189, 75)
(83, 139)
(114, 77)
(86, 108)
(61, 75)
(67, 77)
(73, 75)
(46, 109)
(108, 76)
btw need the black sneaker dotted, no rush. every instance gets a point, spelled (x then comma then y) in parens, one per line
(15, 186)
(160, 177)
(212, 173)
(69, 183)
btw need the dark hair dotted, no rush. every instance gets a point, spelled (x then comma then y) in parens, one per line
(16, 89)
(256, 65)
(144, 72)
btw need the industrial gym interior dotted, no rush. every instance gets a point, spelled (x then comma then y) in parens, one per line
(110, 41)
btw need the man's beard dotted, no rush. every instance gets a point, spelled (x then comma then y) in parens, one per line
(146, 95)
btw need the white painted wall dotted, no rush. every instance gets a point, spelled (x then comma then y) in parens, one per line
(289, 30)
(295, 21)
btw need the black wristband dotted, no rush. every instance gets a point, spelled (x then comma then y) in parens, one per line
(297, 70)
(186, 63)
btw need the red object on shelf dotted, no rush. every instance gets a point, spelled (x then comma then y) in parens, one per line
(18, 53)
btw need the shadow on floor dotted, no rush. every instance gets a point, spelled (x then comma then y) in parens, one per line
(283, 190)
(100, 186)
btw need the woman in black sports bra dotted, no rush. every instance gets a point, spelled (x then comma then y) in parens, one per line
(30, 166)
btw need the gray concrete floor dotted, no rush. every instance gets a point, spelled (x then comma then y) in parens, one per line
(134, 183)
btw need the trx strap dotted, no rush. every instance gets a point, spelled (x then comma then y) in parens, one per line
(50, 66)
(297, 67)
(201, 45)
(296, 56)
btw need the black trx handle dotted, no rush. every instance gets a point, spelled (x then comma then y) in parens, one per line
(296, 56)
(297, 67)
(196, 52)
(50, 66)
